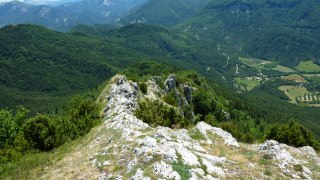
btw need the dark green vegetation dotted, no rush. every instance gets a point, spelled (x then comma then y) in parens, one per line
(41, 68)
(156, 113)
(21, 135)
(292, 133)
(274, 106)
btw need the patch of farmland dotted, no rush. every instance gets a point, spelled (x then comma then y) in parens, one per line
(283, 69)
(294, 77)
(293, 92)
(308, 66)
(248, 83)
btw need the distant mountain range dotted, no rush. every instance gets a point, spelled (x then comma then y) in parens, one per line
(65, 16)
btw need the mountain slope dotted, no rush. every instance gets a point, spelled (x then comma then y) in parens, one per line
(165, 12)
(285, 31)
(40, 67)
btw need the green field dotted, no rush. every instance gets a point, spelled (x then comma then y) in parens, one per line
(283, 69)
(308, 66)
(247, 85)
(293, 92)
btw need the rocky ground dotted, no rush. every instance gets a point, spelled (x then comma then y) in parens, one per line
(124, 147)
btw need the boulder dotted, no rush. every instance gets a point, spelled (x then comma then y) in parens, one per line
(227, 137)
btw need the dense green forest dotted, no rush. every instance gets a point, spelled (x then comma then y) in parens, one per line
(96, 53)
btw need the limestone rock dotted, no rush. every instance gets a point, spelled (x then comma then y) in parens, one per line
(165, 170)
(139, 176)
(170, 83)
(154, 90)
(187, 91)
(227, 137)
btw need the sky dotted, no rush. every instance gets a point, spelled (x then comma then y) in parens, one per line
(32, 0)
(36, 1)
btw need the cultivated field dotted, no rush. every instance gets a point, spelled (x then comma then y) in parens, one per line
(283, 69)
(293, 92)
(294, 77)
(247, 84)
(308, 66)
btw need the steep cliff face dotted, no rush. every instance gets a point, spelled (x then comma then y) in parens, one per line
(124, 147)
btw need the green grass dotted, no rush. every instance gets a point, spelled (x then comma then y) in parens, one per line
(182, 169)
(293, 92)
(196, 134)
(247, 84)
(283, 69)
(308, 66)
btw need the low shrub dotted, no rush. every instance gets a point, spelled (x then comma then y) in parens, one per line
(143, 87)
(294, 134)
(156, 113)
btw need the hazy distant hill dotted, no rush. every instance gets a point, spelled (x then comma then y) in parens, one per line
(165, 12)
(65, 16)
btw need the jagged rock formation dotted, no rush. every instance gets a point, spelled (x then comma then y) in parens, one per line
(171, 83)
(125, 147)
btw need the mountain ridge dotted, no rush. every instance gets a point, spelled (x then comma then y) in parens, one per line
(123, 146)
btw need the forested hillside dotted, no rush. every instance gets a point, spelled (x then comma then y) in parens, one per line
(41, 68)
(164, 12)
(284, 31)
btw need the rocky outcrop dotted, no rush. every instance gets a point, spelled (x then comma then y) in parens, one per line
(285, 161)
(204, 128)
(167, 145)
(157, 151)
(154, 90)
(170, 83)
(187, 91)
